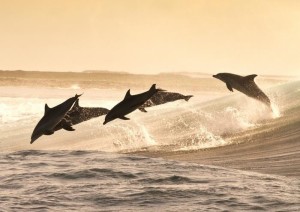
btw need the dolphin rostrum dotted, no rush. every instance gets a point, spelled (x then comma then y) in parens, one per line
(162, 98)
(80, 114)
(246, 85)
(129, 104)
(52, 116)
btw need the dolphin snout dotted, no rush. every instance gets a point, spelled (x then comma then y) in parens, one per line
(215, 76)
(104, 122)
(33, 138)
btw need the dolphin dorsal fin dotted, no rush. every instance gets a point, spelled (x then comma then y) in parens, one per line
(153, 87)
(250, 77)
(127, 95)
(46, 108)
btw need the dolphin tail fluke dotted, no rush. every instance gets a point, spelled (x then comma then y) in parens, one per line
(78, 95)
(187, 98)
(143, 109)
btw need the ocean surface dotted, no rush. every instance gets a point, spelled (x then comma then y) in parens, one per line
(98, 181)
(95, 168)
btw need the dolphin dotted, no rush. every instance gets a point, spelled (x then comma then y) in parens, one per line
(52, 117)
(80, 114)
(246, 85)
(162, 98)
(129, 104)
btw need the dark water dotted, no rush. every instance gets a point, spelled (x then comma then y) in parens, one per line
(97, 181)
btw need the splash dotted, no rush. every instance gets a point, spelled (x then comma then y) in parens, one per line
(131, 136)
(203, 139)
(275, 111)
(15, 109)
(148, 138)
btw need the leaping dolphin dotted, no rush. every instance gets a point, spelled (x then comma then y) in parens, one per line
(80, 114)
(52, 116)
(129, 104)
(162, 98)
(246, 85)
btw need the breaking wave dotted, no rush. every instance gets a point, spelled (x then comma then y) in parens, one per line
(178, 126)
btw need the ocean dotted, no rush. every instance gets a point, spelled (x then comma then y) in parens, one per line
(217, 152)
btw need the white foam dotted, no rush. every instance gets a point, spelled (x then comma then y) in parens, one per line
(203, 139)
(75, 87)
(276, 113)
(129, 135)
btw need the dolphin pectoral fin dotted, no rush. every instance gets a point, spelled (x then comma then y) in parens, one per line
(48, 132)
(124, 118)
(68, 128)
(143, 109)
(229, 87)
(66, 124)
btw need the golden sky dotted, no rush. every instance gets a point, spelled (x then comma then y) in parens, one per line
(151, 36)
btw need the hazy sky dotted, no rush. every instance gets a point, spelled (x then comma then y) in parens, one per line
(151, 36)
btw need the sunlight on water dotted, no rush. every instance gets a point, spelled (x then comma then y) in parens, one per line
(203, 139)
(128, 136)
(185, 126)
(75, 87)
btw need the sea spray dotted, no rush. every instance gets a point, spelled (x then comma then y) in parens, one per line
(275, 111)
(202, 139)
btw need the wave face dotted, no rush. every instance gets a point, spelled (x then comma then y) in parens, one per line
(93, 181)
(83, 170)
(174, 126)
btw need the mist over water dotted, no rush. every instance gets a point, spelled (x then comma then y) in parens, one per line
(84, 169)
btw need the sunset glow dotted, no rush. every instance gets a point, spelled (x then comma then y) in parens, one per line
(151, 36)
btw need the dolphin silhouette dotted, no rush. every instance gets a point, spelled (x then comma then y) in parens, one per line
(162, 98)
(129, 104)
(80, 114)
(245, 85)
(52, 117)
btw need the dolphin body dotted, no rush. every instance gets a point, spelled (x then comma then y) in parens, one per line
(129, 104)
(53, 116)
(162, 98)
(246, 85)
(80, 114)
